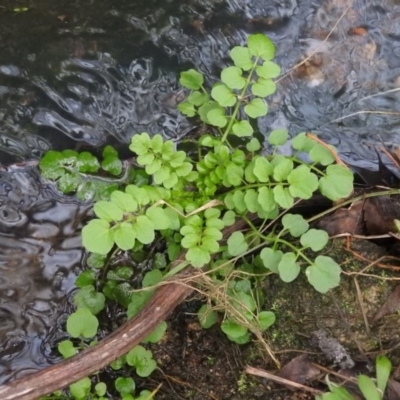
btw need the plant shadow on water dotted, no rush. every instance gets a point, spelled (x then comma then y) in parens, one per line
(84, 75)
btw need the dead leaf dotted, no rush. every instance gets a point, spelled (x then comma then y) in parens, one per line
(391, 305)
(393, 390)
(299, 370)
(345, 220)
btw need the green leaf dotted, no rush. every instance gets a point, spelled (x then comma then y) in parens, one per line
(368, 388)
(288, 268)
(80, 389)
(283, 197)
(96, 260)
(97, 236)
(85, 278)
(125, 385)
(321, 155)
(197, 98)
(158, 217)
(69, 182)
(140, 144)
(266, 319)
(142, 360)
(207, 317)
(262, 169)
(337, 183)
(187, 109)
(253, 145)
(82, 323)
(216, 117)
(261, 46)
(266, 199)
(144, 229)
(49, 165)
(124, 201)
(295, 223)
(238, 201)
(234, 175)
(100, 389)
(268, 70)
(271, 258)
(108, 211)
(112, 164)
(241, 58)
(198, 257)
(251, 200)
(232, 77)
(89, 299)
(256, 108)
(316, 239)
(303, 143)
(232, 329)
(282, 168)
(109, 151)
(242, 128)
(241, 339)
(223, 95)
(263, 87)
(229, 218)
(191, 79)
(324, 274)
(237, 244)
(88, 163)
(152, 278)
(157, 334)
(206, 108)
(67, 349)
(303, 183)
(139, 194)
(124, 236)
(278, 137)
(383, 368)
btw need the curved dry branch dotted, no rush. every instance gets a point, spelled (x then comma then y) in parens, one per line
(118, 343)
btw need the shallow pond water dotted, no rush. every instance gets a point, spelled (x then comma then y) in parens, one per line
(81, 74)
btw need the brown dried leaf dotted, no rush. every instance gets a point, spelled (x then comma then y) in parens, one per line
(299, 370)
(393, 390)
(391, 305)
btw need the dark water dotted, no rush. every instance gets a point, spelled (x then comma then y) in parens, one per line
(84, 73)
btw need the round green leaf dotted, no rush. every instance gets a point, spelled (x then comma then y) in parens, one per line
(125, 385)
(316, 239)
(337, 183)
(278, 137)
(283, 197)
(261, 46)
(271, 258)
(144, 229)
(282, 168)
(223, 95)
(191, 79)
(256, 108)
(198, 257)
(97, 236)
(268, 70)
(108, 211)
(266, 199)
(81, 388)
(241, 58)
(253, 145)
(160, 219)
(216, 117)
(295, 223)
(232, 77)
(124, 236)
(88, 298)
(242, 128)
(303, 183)
(263, 87)
(232, 329)
(324, 274)
(262, 169)
(157, 334)
(207, 317)
(187, 109)
(288, 268)
(237, 244)
(197, 98)
(321, 155)
(266, 319)
(82, 323)
(67, 349)
(124, 201)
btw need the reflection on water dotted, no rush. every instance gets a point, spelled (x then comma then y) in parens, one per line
(78, 74)
(40, 253)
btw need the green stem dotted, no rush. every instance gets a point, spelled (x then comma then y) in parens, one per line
(239, 102)
(295, 250)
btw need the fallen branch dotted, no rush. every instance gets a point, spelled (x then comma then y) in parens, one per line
(165, 299)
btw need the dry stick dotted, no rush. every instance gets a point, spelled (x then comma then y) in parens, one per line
(165, 299)
(283, 381)
(89, 361)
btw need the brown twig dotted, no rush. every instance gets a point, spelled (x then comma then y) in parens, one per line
(264, 374)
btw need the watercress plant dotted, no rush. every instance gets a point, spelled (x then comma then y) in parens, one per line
(192, 201)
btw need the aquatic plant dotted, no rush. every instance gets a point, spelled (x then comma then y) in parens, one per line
(222, 207)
